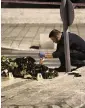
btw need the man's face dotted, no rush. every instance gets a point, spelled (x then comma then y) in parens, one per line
(54, 39)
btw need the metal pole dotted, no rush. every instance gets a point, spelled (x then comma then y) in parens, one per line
(67, 51)
(66, 39)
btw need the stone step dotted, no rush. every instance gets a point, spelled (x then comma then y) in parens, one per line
(7, 50)
(52, 62)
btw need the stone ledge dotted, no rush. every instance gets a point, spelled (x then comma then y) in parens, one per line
(39, 16)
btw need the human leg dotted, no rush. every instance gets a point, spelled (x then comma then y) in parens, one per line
(77, 58)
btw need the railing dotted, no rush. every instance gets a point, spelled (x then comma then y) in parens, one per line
(38, 2)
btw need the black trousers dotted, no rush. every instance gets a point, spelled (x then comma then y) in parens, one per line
(77, 59)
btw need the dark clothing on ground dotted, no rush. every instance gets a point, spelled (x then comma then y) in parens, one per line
(77, 50)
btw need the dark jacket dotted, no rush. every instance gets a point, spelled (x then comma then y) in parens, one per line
(75, 42)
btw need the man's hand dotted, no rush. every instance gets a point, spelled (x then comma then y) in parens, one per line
(41, 54)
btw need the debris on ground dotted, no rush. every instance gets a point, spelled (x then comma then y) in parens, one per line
(26, 67)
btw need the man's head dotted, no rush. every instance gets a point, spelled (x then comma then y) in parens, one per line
(55, 35)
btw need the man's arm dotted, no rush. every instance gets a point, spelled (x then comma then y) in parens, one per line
(48, 55)
(55, 54)
(59, 52)
(45, 55)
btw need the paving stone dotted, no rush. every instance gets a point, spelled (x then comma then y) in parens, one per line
(6, 44)
(83, 106)
(30, 34)
(61, 28)
(4, 107)
(55, 106)
(8, 31)
(82, 35)
(10, 38)
(74, 29)
(7, 41)
(25, 45)
(11, 82)
(16, 31)
(13, 106)
(4, 27)
(41, 29)
(49, 29)
(35, 43)
(2, 38)
(26, 107)
(32, 31)
(79, 100)
(41, 106)
(18, 106)
(15, 44)
(37, 37)
(27, 40)
(18, 38)
(65, 106)
(24, 31)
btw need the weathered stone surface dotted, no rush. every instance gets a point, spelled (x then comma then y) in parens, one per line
(23, 36)
(46, 16)
(65, 91)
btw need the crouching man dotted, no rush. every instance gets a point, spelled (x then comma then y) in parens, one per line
(77, 49)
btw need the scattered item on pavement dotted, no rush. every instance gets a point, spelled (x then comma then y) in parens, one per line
(39, 76)
(28, 76)
(76, 74)
(11, 75)
(4, 73)
(34, 47)
(26, 67)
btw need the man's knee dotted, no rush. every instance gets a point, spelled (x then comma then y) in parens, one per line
(77, 63)
(77, 55)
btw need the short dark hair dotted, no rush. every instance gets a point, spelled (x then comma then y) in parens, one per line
(54, 33)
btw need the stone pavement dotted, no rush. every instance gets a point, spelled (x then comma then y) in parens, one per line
(17, 38)
(64, 91)
(22, 36)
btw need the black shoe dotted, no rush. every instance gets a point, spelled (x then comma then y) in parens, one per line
(81, 64)
(61, 69)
